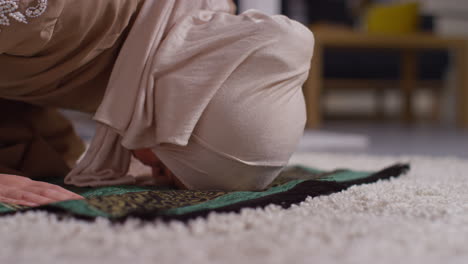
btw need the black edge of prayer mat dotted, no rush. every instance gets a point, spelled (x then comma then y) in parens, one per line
(316, 184)
(298, 194)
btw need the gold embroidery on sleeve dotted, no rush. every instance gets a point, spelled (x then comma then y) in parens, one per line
(9, 10)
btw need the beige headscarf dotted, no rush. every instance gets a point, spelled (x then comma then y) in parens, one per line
(160, 85)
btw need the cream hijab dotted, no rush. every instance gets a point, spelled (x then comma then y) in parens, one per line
(178, 55)
(158, 89)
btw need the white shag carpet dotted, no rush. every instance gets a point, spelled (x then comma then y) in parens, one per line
(419, 218)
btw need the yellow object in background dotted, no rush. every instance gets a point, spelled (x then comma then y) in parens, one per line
(393, 18)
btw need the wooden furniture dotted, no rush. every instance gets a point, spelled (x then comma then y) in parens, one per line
(409, 45)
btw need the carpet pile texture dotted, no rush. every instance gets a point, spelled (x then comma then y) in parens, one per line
(418, 218)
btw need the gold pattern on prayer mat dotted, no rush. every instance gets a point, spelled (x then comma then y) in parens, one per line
(119, 205)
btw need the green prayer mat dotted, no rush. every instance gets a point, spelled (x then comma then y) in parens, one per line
(119, 203)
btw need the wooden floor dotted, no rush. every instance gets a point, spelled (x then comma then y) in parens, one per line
(392, 138)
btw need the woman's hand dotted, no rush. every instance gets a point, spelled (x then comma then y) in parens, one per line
(24, 191)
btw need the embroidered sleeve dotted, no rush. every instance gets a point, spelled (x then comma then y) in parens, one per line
(10, 11)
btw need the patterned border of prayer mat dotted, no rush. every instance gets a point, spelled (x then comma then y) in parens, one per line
(119, 203)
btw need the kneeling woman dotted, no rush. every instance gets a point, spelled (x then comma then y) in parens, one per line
(211, 98)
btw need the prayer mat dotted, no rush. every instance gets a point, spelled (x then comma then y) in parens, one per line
(119, 203)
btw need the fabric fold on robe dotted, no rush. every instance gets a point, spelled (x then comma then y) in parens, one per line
(176, 58)
(36, 142)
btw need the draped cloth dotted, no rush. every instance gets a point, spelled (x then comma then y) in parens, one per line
(178, 55)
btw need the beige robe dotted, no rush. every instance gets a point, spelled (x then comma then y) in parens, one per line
(60, 57)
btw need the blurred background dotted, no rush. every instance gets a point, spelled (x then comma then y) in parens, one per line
(391, 86)
(387, 78)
